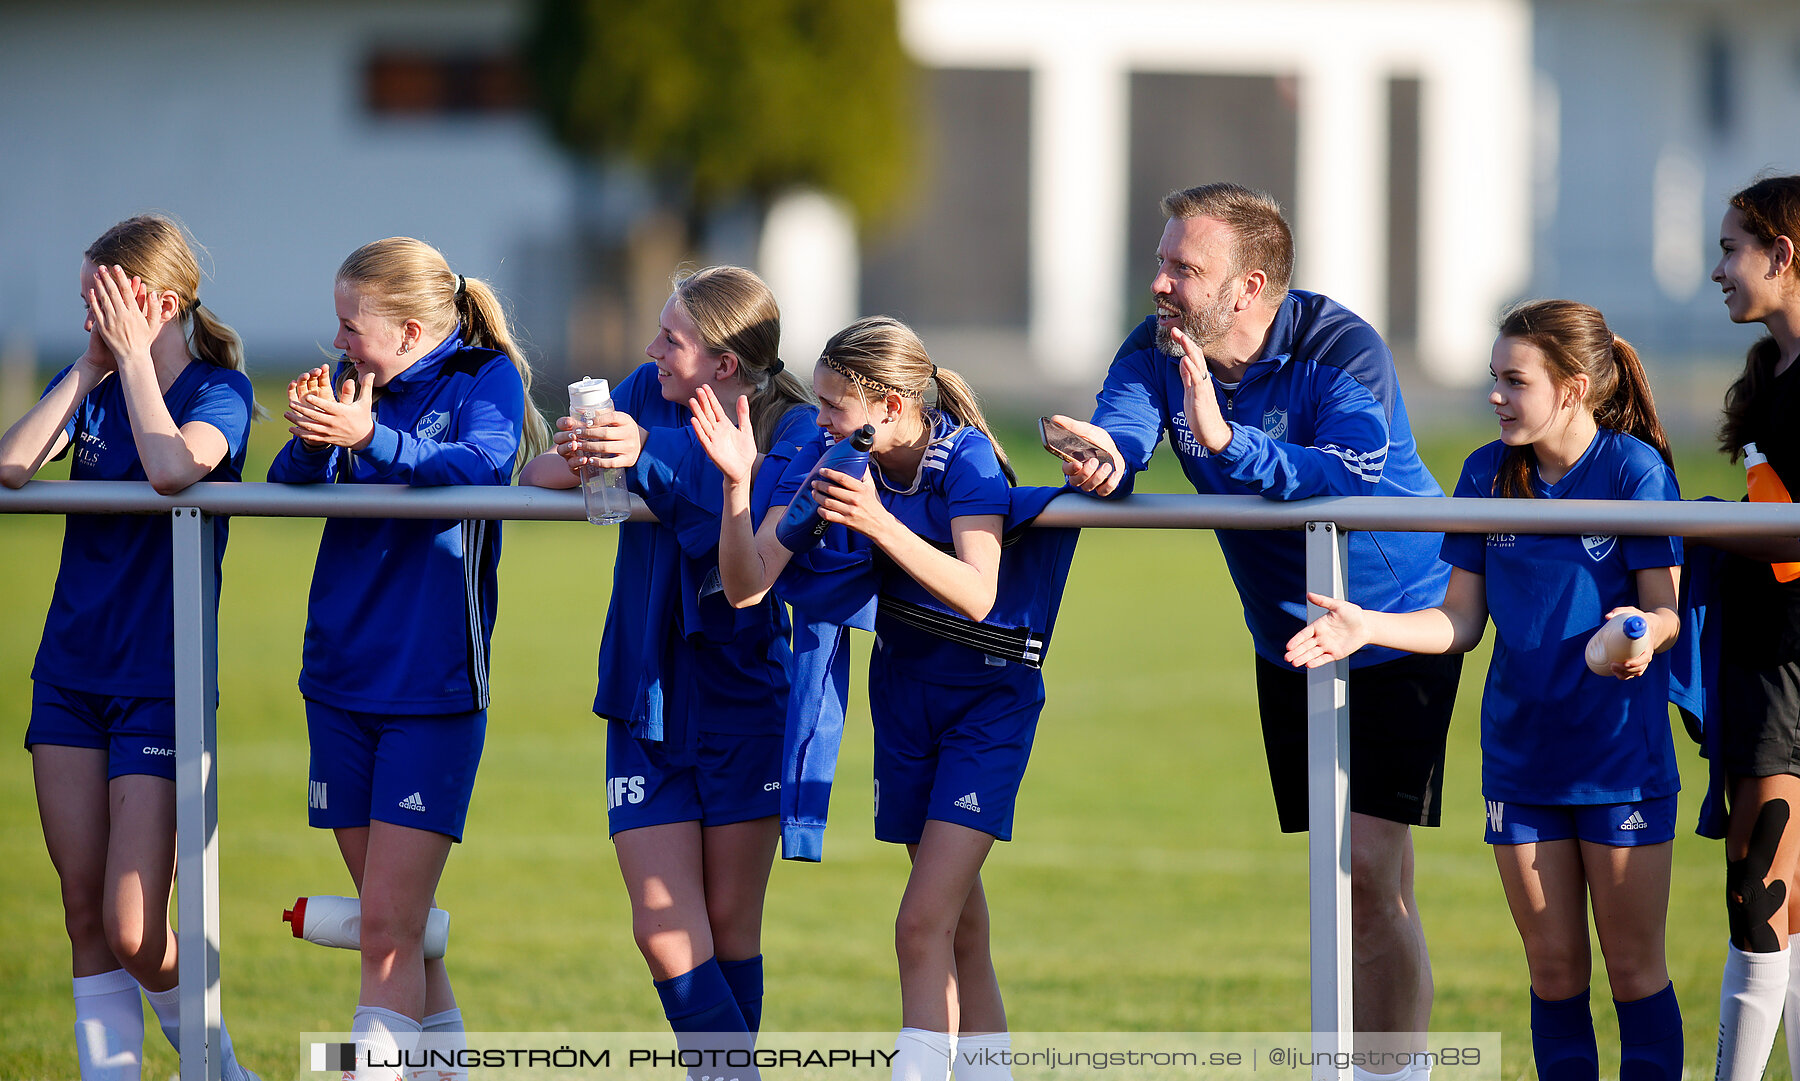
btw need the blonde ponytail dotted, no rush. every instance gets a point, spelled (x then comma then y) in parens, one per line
(409, 279)
(157, 250)
(884, 354)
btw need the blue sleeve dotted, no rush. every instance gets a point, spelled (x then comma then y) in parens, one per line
(797, 430)
(298, 464)
(973, 481)
(1467, 550)
(1655, 482)
(797, 469)
(479, 447)
(1350, 446)
(1130, 404)
(224, 402)
(682, 487)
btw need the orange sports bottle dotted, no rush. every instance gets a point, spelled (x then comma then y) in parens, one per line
(1766, 487)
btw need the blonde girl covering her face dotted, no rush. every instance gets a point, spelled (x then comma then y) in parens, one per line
(159, 395)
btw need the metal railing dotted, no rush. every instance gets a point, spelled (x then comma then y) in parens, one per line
(1324, 521)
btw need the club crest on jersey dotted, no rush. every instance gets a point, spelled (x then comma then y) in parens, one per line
(432, 425)
(1274, 423)
(1598, 548)
(1183, 437)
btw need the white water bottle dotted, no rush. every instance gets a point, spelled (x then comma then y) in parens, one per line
(337, 921)
(1620, 638)
(602, 490)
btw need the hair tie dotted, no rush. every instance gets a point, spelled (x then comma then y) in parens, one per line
(195, 306)
(775, 368)
(934, 373)
(462, 286)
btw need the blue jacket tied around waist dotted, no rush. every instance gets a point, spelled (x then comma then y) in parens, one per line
(838, 585)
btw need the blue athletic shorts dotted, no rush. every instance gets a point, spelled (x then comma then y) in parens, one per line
(1623, 825)
(951, 753)
(137, 734)
(733, 777)
(406, 770)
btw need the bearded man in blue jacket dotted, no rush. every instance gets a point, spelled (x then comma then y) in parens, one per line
(1287, 394)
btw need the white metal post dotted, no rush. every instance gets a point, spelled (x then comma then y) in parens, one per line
(1328, 813)
(196, 791)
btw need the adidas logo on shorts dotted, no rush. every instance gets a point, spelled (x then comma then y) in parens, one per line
(970, 803)
(1635, 822)
(414, 802)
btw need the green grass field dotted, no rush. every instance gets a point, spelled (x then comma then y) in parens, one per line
(1147, 889)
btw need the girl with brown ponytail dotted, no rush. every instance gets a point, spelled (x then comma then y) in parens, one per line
(1578, 771)
(159, 395)
(953, 721)
(1758, 730)
(431, 390)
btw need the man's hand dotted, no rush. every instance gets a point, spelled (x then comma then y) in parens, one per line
(1097, 476)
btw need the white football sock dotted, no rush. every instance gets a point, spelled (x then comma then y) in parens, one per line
(109, 1027)
(1751, 996)
(921, 1055)
(981, 1057)
(384, 1036)
(442, 1033)
(167, 1005)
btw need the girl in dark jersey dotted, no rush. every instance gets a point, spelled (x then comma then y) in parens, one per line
(1759, 670)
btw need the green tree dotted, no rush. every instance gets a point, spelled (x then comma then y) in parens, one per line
(718, 99)
(721, 104)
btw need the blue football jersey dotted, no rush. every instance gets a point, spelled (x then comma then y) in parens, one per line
(1551, 730)
(110, 627)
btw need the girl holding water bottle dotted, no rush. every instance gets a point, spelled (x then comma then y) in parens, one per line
(1578, 769)
(953, 722)
(694, 692)
(431, 390)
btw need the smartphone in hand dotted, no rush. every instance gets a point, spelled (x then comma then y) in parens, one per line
(1067, 445)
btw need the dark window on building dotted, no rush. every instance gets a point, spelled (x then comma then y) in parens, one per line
(1198, 129)
(401, 83)
(1719, 104)
(957, 257)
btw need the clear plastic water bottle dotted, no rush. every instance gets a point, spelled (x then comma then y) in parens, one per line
(602, 490)
(801, 527)
(337, 921)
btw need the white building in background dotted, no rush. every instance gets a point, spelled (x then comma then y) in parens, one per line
(1439, 158)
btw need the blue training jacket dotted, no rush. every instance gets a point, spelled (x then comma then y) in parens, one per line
(402, 609)
(665, 576)
(1319, 413)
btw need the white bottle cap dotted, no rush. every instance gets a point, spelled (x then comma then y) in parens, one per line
(589, 393)
(1752, 456)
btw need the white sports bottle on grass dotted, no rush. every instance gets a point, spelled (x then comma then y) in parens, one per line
(337, 921)
(1620, 638)
(602, 490)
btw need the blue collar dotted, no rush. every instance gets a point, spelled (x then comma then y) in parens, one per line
(426, 367)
